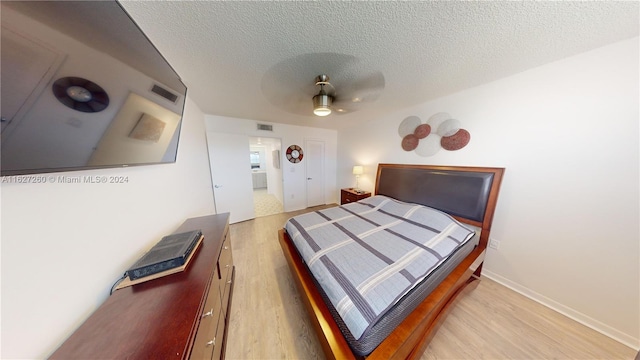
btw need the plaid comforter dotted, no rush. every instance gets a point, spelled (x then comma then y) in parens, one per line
(368, 254)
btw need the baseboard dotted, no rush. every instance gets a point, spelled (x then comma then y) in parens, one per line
(566, 311)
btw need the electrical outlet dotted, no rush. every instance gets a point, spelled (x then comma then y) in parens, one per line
(494, 244)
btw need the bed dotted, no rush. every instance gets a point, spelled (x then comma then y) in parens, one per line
(460, 199)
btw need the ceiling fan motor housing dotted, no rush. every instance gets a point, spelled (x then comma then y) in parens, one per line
(322, 104)
(322, 101)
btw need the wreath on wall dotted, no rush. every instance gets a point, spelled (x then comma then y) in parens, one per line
(294, 154)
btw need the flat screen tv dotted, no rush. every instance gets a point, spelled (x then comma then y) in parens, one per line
(83, 88)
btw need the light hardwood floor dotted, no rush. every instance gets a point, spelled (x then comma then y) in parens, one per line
(268, 319)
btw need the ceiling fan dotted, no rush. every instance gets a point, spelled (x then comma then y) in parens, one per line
(322, 102)
(348, 100)
(341, 84)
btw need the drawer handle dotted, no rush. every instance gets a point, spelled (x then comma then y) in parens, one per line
(211, 342)
(229, 282)
(208, 313)
(226, 248)
(227, 265)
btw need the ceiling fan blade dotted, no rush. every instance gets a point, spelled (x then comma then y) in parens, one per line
(364, 89)
(353, 96)
(289, 93)
(297, 101)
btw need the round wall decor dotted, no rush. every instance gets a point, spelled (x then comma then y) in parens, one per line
(294, 154)
(410, 142)
(440, 132)
(80, 94)
(422, 131)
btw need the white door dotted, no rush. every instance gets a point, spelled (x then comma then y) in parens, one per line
(231, 175)
(27, 66)
(314, 160)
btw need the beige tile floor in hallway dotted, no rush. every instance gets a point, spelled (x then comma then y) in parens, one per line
(268, 320)
(265, 204)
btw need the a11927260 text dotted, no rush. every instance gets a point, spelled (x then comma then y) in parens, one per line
(64, 179)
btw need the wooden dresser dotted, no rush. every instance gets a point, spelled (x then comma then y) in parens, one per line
(179, 316)
(351, 195)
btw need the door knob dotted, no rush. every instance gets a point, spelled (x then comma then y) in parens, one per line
(309, 179)
(217, 186)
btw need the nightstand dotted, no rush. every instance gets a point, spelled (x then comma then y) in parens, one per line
(350, 195)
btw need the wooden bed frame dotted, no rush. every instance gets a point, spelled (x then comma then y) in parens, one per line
(469, 194)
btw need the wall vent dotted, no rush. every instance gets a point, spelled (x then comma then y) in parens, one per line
(164, 93)
(265, 127)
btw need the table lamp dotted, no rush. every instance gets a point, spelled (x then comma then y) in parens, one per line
(357, 171)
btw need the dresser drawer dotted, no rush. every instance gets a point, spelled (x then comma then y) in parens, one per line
(348, 197)
(228, 285)
(205, 344)
(218, 340)
(209, 320)
(225, 263)
(351, 195)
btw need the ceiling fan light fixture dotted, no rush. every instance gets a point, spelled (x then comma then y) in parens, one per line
(322, 104)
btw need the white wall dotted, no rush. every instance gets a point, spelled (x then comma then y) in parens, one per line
(567, 216)
(274, 174)
(65, 244)
(293, 175)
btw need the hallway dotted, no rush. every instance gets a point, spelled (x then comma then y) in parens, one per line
(265, 204)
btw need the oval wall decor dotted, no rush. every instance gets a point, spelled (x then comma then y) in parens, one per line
(449, 127)
(456, 141)
(441, 131)
(429, 146)
(408, 125)
(436, 119)
(294, 154)
(422, 131)
(410, 142)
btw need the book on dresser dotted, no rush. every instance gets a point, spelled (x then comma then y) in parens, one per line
(170, 252)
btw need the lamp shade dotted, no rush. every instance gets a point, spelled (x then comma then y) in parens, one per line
(358, 170)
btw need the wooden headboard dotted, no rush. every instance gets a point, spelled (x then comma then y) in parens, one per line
(467, 193)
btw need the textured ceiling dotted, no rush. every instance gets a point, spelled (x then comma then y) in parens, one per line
(228, 52)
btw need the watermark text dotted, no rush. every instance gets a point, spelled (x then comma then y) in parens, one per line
(64, 179)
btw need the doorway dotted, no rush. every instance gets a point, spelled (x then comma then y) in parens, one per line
(266, 175)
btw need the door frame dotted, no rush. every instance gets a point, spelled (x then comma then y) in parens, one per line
(30, 100)
(279, 183)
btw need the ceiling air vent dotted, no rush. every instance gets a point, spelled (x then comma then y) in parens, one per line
(164, 93)
(265, 127)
